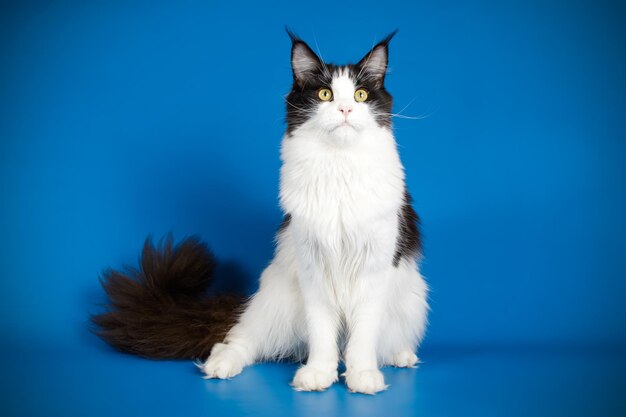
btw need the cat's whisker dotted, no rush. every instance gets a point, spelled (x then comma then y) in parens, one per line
(407, 106)
(306, 111)
(402, 116)
(324, 67)
(420, 117)
(367, 60)
(399, 114)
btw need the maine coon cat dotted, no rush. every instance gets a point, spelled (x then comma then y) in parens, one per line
(344, 283)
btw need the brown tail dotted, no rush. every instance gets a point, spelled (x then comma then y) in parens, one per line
(161, 310)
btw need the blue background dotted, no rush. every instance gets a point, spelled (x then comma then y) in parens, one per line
(123, 119)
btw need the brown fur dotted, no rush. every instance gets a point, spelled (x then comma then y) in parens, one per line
(162, 311)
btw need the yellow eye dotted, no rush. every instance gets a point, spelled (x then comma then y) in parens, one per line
(325, 94)
(360, 95)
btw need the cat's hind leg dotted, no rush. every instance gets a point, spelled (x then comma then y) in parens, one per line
(403, 359)
(266, 329)
(406, 318)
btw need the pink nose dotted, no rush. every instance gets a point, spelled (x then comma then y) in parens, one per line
(345, 109)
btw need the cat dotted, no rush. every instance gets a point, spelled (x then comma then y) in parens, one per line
(344, 282)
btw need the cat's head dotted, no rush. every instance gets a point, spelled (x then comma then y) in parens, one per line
(338, 103)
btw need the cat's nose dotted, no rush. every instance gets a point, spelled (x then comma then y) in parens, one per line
(345, 109)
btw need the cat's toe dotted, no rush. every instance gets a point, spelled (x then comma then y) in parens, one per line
(368, 381)
(405, 359)
(308, 378)
(222, 366)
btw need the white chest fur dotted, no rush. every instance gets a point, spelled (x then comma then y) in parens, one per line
(342, 197)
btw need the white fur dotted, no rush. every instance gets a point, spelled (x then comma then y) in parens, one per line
(332, 291)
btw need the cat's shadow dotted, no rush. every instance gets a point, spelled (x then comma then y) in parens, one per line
(230, 277)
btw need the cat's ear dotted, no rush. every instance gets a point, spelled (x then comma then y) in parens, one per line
(374, 64)
(304, 62)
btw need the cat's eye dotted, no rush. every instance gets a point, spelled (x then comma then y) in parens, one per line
(325, 94)
(360, 95)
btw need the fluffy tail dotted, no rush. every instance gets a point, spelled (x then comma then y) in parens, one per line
(161, 310)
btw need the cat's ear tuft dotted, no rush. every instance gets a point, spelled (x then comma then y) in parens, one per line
(304, 62)
(374, 63)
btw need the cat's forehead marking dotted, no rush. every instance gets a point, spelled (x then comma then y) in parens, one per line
(342, 71)
(343, 84)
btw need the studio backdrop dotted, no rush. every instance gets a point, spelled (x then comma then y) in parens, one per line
(123, 120)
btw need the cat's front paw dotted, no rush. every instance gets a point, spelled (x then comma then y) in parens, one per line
(369, 381)
(223, 363)
(308, 378)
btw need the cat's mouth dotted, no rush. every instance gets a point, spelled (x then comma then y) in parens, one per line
(343, 125)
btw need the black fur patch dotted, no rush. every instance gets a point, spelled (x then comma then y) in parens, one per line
(161, 311)
(409, 243)
(302, 100)
(284, 224)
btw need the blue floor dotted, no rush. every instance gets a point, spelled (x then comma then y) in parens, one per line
(96, 381)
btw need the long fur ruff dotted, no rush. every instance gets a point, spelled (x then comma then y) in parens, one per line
(161, 310)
